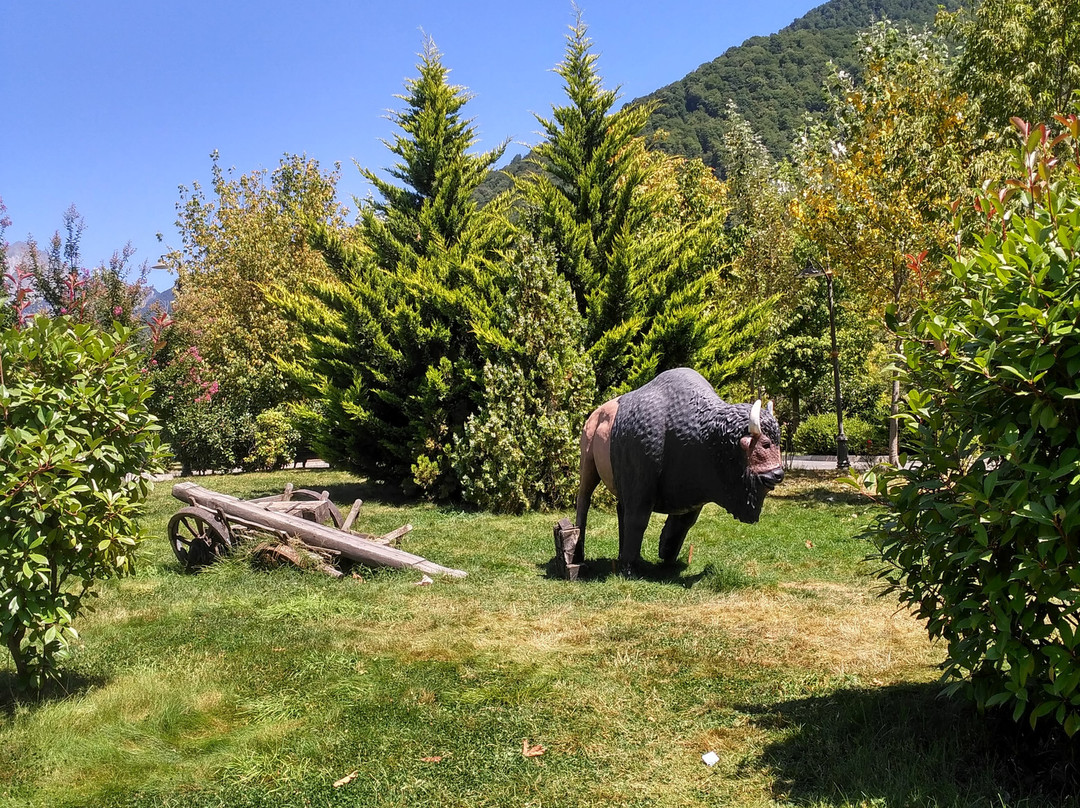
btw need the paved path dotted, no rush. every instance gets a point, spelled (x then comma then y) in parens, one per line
(828, 462)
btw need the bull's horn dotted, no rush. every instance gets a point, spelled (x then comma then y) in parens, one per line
(755, 418)
(769, 407)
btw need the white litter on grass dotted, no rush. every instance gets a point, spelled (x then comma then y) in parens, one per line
(710, 758)
(425, 581)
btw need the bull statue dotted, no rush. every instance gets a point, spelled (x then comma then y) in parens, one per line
(670, 447)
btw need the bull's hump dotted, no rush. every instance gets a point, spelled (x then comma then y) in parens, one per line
(677, 407)
(689, 404)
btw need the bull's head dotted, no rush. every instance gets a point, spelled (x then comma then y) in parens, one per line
(762, 447)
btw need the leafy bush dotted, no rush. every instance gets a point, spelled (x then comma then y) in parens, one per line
(210, 436)
(520, 449)
(981, 533)
(277, 442)
(205, 430)
(76, 451)
(817, 435)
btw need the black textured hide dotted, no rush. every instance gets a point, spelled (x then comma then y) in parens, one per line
(675, 446)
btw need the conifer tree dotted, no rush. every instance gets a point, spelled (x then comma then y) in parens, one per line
(643, 281)
(396, 363)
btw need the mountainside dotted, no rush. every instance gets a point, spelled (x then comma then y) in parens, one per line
(774, 80)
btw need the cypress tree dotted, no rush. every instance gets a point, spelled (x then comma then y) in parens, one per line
(391, 334)
(644, 280)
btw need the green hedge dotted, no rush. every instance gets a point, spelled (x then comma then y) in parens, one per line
(816, 435)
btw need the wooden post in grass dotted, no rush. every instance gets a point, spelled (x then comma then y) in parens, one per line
(566, 541)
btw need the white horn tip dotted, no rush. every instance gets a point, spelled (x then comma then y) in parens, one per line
(755, 418)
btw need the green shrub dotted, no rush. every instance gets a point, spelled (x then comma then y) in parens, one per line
(276, 440)
(76, 451)
(519, 450)
(210, 436)
(205, 429)
(981, 533)
(817, 435)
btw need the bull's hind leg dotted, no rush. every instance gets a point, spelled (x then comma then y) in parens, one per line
(632, 524)
(595, 464)
(588, 480)
(674, 533)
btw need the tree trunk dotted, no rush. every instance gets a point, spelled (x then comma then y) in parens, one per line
(894, 425)
(14, 644)
(796, 419)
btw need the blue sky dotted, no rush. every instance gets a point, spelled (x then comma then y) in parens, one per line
(111, 105)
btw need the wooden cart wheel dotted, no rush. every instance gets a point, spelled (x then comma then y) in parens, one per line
(198, 538)
(332, 509)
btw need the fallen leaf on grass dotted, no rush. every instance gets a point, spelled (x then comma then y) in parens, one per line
(348, 778)
(809, 545)
(531, 751)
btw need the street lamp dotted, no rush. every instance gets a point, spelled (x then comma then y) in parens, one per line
(811, 271)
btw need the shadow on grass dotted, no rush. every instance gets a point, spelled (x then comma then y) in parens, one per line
(817, 487)
(907, 745)
(69, 684)
(600, 569)
(369, 491)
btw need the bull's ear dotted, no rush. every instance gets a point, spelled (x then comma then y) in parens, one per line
(755, 419)
(768, 407)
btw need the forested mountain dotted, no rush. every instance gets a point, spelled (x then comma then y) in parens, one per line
(774, 80)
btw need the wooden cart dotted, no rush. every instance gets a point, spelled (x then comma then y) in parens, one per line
(304, 523)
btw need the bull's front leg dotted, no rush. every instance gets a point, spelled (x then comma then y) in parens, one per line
(674, 534)
(633, 520)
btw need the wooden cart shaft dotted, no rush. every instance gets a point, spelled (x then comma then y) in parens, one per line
(349, 545)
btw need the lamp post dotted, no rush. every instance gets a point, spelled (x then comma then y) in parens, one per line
(842, 462)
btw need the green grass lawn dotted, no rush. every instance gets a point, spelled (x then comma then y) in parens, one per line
(242, 687)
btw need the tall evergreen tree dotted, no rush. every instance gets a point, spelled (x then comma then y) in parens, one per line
(643, 282)
(391, 334)
(433, 212)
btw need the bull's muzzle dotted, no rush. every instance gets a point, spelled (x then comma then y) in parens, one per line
(771, 479)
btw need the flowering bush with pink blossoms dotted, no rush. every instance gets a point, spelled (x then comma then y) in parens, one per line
(205, 431)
